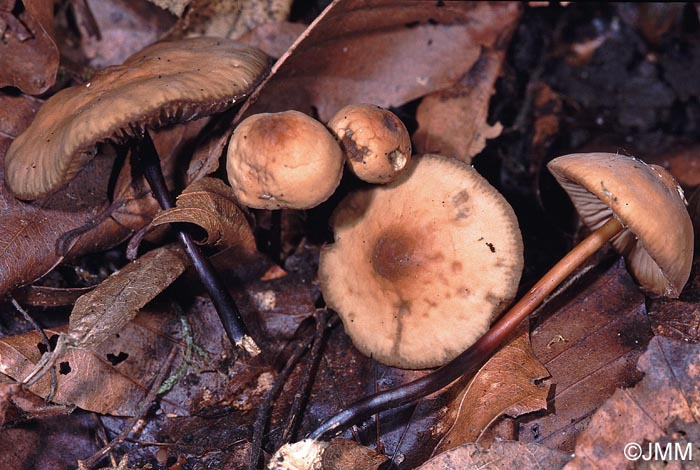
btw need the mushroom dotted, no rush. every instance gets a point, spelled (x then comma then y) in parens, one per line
(375, 141)
(165, 83)
(283, 160)
(657, 240)
(637, 206)
(421, 266)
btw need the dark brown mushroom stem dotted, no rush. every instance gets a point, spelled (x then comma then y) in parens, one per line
(471, 359)
(230, 316)
(275, 243)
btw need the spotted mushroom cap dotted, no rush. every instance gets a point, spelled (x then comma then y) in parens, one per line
(164, 83)
(377, 145)
(421, 266)
(657, 241)
(283, 160)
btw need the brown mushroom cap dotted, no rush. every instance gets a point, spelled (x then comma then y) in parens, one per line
(165, 83)
(420, 267)
(375, 141)
(657, 241)
(283, 160)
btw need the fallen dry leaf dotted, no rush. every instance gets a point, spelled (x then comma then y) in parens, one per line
(43, 296)
(105, 310)
(273, 38)
(210, 204)
(678, 318)
(668, 392)
(501, 455)
(114, 377)
(29, 55)
(124, 27)
(228, 19)
(84, 378)
(385, 52)
(453, 122)
(342, 454)
(508, 384)
(589, 346)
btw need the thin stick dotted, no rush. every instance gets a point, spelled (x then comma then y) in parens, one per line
(101, 436)
(44, 339)
(220, 297)
(140, 412)
(474, 356)
(307, 379)
(264, 409)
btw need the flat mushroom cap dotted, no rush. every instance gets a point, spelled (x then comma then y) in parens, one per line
(420, 267)
(658, 238)
(164, 83)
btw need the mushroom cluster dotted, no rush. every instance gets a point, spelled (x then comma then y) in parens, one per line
(639, 207)
(288, 160)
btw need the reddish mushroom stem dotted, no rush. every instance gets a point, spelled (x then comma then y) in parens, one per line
(474, 356)
(223, 302)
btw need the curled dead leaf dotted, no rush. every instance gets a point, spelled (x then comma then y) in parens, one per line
(210, 204)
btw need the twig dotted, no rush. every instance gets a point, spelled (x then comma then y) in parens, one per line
(70, 238)
(307, 379)
(263, 412)
(142, 410)
(44, 339)
(102, 437)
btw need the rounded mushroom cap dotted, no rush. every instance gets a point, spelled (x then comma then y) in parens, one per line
(283, 160)
(420, 267)
(375, 141)
(657, 241)
(164, 83)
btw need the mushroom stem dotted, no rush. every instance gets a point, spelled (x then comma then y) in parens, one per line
(223, 302)
(468, 361)
(275, 242)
